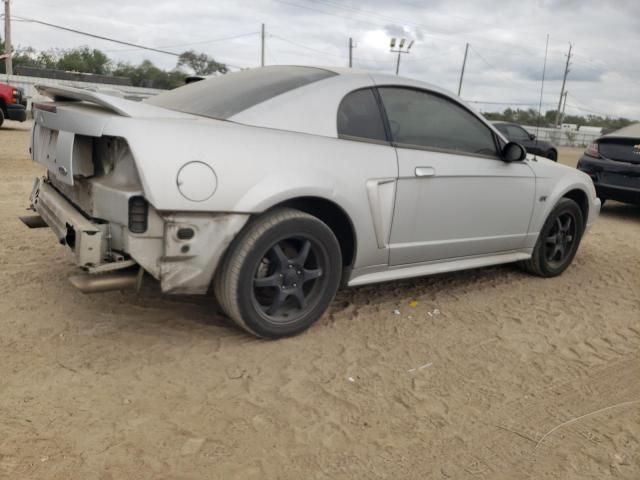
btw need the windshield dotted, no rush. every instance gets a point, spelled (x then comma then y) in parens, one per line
(226, 95)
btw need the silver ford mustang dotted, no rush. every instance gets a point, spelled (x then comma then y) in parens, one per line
(277, 185)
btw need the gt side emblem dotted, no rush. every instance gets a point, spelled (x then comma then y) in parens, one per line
(543, 198)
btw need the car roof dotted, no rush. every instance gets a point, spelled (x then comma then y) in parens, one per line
(313, 108)
(630, 131)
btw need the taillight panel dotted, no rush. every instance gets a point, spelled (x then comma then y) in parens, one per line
(592, 150)
(138, 214)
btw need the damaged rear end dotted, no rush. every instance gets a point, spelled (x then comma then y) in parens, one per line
(93, 199)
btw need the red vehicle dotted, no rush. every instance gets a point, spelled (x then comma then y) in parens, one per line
(12, 103)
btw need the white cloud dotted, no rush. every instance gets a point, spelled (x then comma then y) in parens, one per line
(507, 40)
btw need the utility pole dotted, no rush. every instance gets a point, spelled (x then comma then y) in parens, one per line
(564, 81)
(464, 63)
(399, 51)
(564, 106)
(7, 38)
(262, 46)
(351, 47)
(544, 72)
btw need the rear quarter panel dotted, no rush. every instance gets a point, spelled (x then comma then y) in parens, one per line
(258, 168)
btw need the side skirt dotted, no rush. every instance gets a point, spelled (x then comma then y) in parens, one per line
(385, 274)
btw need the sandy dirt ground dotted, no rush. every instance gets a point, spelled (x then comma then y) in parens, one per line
(492, 374)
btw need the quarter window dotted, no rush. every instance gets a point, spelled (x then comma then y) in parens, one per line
(418, 118)
(359, 116)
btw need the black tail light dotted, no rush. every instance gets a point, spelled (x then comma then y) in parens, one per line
(138, 215)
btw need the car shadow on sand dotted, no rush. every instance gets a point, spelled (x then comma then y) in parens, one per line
(622, 211)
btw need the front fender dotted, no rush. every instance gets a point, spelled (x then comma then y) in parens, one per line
(551, 188)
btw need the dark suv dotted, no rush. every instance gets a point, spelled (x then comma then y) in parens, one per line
(613, 163)
(515, 133)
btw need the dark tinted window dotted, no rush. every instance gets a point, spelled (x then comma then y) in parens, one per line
(503, 129)
(359, 116)
(428, 120)
(516, 133)
(620, 149)
(226, 95)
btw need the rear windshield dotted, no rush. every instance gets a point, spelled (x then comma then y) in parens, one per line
(622, 149)
(226, 95)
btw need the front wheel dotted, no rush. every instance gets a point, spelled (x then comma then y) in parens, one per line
(280, 274)
(552, 155)
(558, 241)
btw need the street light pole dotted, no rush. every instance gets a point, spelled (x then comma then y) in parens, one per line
(7, 38)
(400, 50)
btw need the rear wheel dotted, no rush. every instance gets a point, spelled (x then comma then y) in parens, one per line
(558, 241)
(280, 274)
(1, 117)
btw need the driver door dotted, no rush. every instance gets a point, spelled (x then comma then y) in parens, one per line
(455, 196)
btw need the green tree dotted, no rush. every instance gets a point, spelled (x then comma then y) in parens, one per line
(200, 63)
(84, 60)
(146, 74)
(530, 117)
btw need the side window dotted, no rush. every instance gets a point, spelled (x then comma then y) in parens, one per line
(517, 134)
(359, 116)
(429, 120)
(502, 129)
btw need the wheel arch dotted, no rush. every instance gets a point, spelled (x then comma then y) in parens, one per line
(581, 198)
(334, 216)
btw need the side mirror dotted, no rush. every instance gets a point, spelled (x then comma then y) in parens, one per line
(532, 136)
(513, 152)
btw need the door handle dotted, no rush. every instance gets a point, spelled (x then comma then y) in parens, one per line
(425, 171)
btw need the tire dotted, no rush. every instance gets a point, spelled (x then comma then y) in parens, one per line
(280, 274)
(1, 117)
(558, 241)
(552, 155)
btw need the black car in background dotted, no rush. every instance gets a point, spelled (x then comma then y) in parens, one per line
(515, 133)
(613, 163)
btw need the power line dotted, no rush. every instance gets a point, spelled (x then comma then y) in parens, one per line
(108, 39)
(483, 102)
(483, 59)
(305, 46)
(100, 37)
(201, 42)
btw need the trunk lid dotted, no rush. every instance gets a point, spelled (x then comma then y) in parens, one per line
(64, 130)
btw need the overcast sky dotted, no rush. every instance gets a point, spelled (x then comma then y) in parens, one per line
(505, 61)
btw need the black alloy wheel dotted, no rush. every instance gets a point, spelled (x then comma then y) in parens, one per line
(289, 279)
(559, 241)
(280, 274)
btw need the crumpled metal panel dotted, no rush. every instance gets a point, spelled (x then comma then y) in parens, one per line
(188, 266)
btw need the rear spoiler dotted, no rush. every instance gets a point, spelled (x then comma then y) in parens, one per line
(121, 106)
